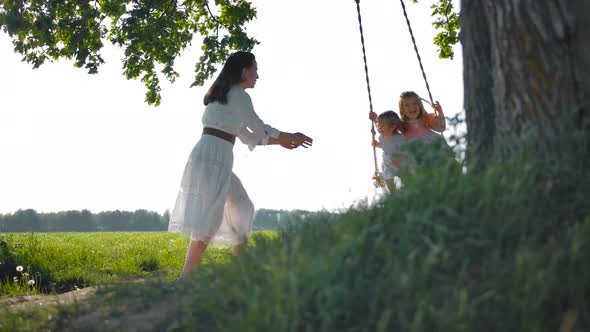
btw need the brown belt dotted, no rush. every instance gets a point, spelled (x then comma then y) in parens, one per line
(219, 133)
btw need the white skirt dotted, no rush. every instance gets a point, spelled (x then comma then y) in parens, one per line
(212, 205)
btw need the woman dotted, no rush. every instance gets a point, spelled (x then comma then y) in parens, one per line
(212, 205)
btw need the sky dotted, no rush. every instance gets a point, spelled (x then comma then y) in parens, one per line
(71, 141)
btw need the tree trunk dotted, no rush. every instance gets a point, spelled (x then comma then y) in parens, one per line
(526, 67)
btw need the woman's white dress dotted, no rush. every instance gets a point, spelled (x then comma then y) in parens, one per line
(212, 205)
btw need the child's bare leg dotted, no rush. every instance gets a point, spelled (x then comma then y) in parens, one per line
(193, 256)
(390, 184)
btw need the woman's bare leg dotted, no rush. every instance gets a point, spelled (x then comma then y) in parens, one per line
(193, 257)
(236, 250)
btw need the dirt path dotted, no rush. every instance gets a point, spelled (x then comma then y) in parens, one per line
(130, 317)
(30, 301)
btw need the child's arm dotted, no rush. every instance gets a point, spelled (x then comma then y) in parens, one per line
(436, 121)
(375, 143)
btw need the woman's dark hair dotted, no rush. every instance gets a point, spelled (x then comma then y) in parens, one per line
(230, 74)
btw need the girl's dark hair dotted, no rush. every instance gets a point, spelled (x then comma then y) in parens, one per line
(230, 74)
(391, 117)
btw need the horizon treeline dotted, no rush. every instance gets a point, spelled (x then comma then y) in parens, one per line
(29, 220)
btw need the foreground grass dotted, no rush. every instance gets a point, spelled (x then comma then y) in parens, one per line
(60, 262)
(505, 248)
(64, 261)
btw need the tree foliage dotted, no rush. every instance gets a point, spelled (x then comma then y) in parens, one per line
(151, 32)
(446, 20)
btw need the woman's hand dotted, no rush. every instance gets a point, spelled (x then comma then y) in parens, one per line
(303, 140)
(292, 141)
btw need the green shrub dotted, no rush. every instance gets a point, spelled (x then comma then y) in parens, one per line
(499, 248)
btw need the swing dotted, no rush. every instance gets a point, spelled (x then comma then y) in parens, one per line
(378, 181)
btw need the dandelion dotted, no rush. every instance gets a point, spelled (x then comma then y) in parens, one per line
(31, 282)
(15, 279)
(19, 268)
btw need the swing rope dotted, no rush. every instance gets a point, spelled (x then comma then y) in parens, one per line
(416, 49)
(378, 180)
(376, 177)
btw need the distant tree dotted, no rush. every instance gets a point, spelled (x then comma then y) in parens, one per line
(112, 220)
(136, 221)
(146, 221)
(267, 219)
(280, 219)
(71, 221)
(83, 221)
(23, 221)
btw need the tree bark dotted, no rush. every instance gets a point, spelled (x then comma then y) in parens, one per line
(526, 68)
(479, 100)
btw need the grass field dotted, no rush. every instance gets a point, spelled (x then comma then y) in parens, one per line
(60, 262)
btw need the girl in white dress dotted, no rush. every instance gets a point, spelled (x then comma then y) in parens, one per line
(391, 142)
(212, 205)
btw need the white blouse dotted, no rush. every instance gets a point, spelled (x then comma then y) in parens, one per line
(238, 118)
